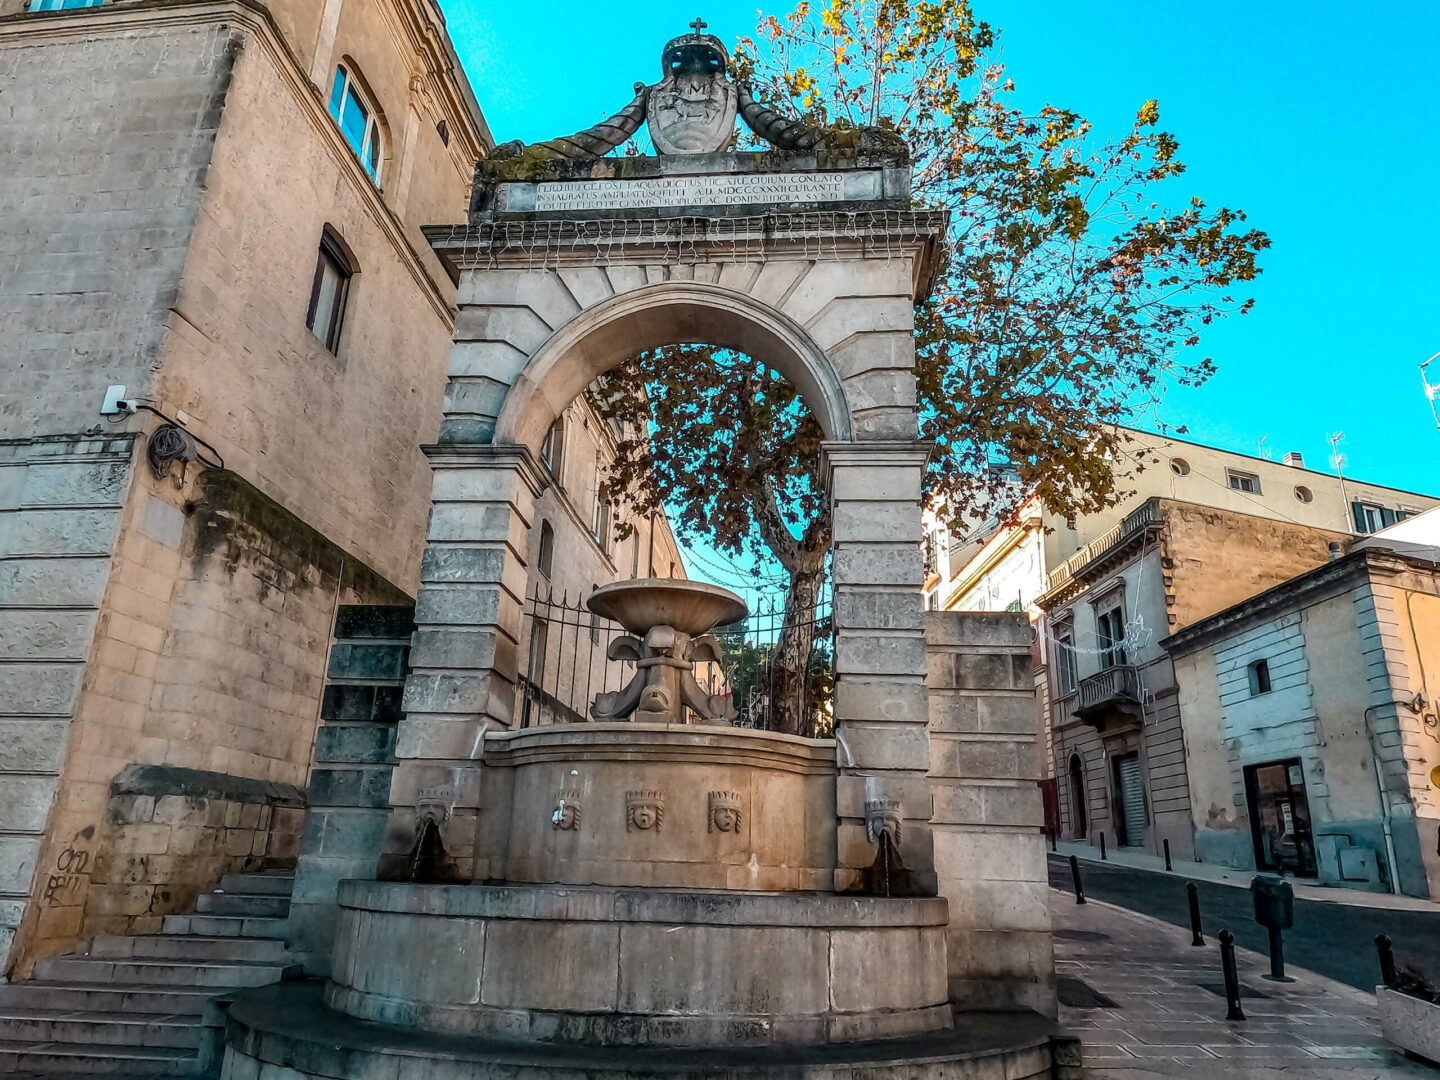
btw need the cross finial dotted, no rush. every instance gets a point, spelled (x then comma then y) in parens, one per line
(698, 25)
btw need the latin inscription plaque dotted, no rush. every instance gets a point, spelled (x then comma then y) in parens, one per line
(671, 191)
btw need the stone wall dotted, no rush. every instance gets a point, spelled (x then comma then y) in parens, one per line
(106, 143)
(984, 772)
(60, 508)
(334, 437)
(350, 776)
(209, 654)
(166, 833)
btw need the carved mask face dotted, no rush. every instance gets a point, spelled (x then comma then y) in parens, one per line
(643, 816)
(726, 819)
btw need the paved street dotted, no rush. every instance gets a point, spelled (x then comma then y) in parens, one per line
(1148, 1006)
(1332, 939)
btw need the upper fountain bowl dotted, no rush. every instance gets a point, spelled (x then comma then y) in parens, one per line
(691, 607)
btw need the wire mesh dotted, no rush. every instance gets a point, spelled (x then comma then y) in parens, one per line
(777, 666)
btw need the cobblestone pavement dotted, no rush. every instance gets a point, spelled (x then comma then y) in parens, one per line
(1147, 1004)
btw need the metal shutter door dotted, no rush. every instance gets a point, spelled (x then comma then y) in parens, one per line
(1132, 797)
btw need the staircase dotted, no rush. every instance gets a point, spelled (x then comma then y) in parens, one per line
(151, 1005)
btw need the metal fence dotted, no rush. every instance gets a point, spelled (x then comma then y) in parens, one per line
(779, 673)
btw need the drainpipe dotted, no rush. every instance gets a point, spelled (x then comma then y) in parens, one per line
(1394, 874)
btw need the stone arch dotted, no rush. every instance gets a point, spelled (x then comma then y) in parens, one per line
(668, 313)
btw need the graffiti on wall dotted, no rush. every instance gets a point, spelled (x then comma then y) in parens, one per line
(72, 870)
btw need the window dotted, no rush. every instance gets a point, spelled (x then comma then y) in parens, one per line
(357, 119)
(1065, 661)
(1259, 678)
(1179, 466)
(600, 522)
(1243, 481)
(1370, 518)
(547, 548)
(932, 553)
(1304, 494)
(62, 5)
(552, 450)
(330, 289)
(1111, 634)
(443, 130)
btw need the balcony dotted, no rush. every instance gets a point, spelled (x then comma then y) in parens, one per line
(1109, 695)
(1144, 517)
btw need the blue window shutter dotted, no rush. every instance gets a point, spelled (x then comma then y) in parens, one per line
(1358, 509)
(1387, 517)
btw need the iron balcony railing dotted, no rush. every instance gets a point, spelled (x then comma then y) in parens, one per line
(1143, 516)
(1118, 683)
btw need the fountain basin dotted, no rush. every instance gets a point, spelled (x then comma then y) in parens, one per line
(691, 607)
(775, 793)
(640, 967)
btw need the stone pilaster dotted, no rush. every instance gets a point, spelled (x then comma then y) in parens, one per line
(880, 699)
(463, 664)
(351, 771)
(985, 765)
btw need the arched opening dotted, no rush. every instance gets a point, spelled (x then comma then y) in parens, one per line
(1079, 820)
(667, 313)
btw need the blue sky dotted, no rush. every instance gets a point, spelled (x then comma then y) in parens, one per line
(1320, 120)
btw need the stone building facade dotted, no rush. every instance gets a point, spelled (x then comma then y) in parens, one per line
(195, 214)
(1311, 714)
(1202, 528)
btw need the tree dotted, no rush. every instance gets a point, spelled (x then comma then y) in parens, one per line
(1068, 299)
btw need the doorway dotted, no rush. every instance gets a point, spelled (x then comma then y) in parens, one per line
(1079, 820)
(1131, 821)
(1280, 817)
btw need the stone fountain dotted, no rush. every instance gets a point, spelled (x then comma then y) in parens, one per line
(669, 621)
(642, 896)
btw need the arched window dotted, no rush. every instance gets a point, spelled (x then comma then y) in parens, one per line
(358, 119)
(1079, 825)
(330, 288)
(547, 548)
(552, 450)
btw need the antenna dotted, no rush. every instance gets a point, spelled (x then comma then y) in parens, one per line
(1430, 391)
(1260, 448)
(1339, 460)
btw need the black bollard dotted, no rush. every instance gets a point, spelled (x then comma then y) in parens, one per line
(1168, 868)
(1192, 892)
(1103, 856)
(1387, 959)
(1232, 976)
(1075, 876)
(1277, 957)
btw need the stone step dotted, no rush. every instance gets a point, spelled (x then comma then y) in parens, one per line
(224, 926)
(93, 1059)
(271, 884)
(255, 905)
(162, 972)
(190, 947)
(99, 1028)
(107, 997)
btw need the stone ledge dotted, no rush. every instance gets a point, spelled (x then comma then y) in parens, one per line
(162, 780)
(597, 904)
(287, 1026)
(712, 745)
